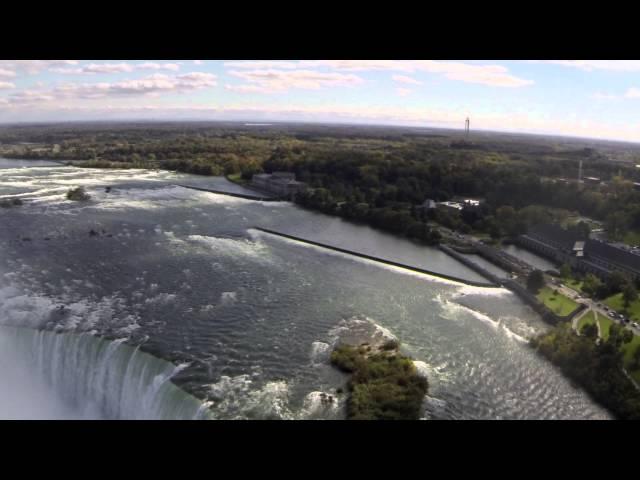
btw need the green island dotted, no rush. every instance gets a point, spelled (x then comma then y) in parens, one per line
(597, 364)
(384, 384)
(78, 194)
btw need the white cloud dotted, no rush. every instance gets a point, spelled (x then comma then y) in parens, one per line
(272, 81)
(159, 66)
(94, 68)
(633, 92)
(263, 64)
(248, 89)
(406, 79)
(6, 73)
(35, 66)
(151, 85)
(112, 68)
(403, 92)
(198, 62)
(491, 75)
(7, 85)
(29, 96)
(604, 96)
(156, 83)
(588, 65)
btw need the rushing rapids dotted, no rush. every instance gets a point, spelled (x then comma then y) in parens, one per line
(208, 318)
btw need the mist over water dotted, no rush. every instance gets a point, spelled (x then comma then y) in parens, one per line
(195, 301)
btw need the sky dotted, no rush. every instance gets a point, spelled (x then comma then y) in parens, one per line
(583, 98)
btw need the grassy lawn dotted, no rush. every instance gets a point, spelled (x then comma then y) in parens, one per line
(558, 303)
(616, 302)
(605, 326)
(587, 319)
(573, 283)
(632, 238)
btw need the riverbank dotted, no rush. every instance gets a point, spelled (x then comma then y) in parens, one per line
(596, 366)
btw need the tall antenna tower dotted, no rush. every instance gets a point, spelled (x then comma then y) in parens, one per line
(466, 128)
(580, 172)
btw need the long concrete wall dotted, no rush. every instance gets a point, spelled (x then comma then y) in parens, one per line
(378, 259)
(248, 196)
(471, 264)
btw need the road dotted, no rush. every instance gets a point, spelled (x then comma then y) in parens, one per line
(593, 305)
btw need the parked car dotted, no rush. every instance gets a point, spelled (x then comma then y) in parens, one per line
(612, 315)
(635, 324)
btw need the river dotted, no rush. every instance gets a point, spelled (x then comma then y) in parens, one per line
(176, 307)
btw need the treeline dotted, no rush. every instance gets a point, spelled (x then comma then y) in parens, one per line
(596, 365)
(392, 219)
(372, 174)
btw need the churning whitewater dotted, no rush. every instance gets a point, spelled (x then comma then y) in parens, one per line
(156, 301)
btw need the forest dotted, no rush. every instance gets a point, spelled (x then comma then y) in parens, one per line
(375, 175)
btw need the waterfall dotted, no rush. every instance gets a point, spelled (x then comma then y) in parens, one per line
(93, 377)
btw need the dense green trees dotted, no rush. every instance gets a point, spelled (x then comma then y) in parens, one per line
(384, 385)
(363, 169)
(596, 365)
(535, 281)
(592, 285)
(629, 294)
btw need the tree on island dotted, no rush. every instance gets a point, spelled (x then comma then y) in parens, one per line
(78, 194)
(535, 281)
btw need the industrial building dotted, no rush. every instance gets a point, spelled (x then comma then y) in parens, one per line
(587, 256)
(278, 183)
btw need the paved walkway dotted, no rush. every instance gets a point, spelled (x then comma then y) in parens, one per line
(576, 319)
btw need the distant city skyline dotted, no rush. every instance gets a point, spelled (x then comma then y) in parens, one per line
(597, 99)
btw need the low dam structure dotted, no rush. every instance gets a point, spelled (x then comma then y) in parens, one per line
(248, 196)
(380, 260)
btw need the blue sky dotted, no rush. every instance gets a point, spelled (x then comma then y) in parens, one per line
(587, 98)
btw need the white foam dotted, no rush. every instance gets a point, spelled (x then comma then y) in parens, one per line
(320, 405)
(452, 308)
(227, 298)
(236, 398)
(161, 299)
(319, 352)
(422, 369)
(233, 247)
